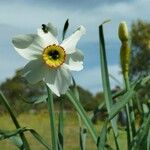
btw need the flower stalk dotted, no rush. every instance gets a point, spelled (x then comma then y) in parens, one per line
(52, 119)
(125, 52)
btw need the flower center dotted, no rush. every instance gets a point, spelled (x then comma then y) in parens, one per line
(54, 56)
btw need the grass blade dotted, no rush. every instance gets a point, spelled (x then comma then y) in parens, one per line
(148, 140)
(83, 115)
(82, 130)
(39, 138)
(102, 137)
(4, 134)
(121, 102)
(10, 134)
(14, 119)
(139, 139)
(83, 133)
(105, 80)
(104, 70)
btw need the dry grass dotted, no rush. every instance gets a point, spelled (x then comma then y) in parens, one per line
(40, 122)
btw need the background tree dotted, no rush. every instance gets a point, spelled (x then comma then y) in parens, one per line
(17, 86)
(140, 58)
(140, 36)
(17, 90)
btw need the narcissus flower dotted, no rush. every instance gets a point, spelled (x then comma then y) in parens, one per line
(48, 60)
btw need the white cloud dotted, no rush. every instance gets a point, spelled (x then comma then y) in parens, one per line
(31, 16)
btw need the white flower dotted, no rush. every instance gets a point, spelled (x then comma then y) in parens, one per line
(48, 60)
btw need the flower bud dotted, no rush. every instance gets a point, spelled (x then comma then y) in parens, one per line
(123, 32)
(125, 58)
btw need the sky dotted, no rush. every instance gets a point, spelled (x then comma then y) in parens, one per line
(25, 16)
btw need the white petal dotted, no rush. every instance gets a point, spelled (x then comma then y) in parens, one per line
(74, 61)
(62, 81)
(28, 46)
(34, 71)
(70, 43)
(50, 76)
(48, 38)
(52, 29)
(76, 56)
(74, 66)
(54, 89)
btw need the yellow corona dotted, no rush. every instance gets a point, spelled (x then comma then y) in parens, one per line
(54, 56)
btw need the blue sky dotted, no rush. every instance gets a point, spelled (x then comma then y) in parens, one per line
(25, 16)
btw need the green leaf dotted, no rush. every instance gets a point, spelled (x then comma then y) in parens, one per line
(121, 102)
(119, 93)
(141, 134)
(102, 137)
(105, 79)
(14, 119)
(12, 135)
(39, 138)
(83, 114)
(83, 133)
(82, 130)
(104, 70)
(148, 140)
(4, 134)
(144, 80)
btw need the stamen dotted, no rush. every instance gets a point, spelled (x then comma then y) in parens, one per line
(54, 54)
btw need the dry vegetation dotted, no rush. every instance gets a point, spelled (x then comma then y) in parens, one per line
(40, 122)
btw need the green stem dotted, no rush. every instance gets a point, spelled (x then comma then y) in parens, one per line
(131, 110)
(16, 123)
(61, 126)
(52, 119)
(128, 127)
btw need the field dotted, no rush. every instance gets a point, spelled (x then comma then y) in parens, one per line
(40, 122)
